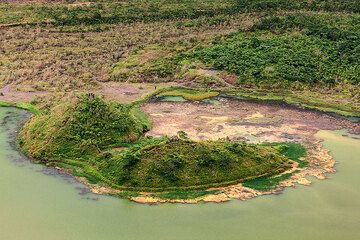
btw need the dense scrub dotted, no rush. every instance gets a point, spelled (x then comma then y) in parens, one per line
(296, 48)
(110, 12)
(260, 58)
(77, 129)
(342, 33)
(178, 162)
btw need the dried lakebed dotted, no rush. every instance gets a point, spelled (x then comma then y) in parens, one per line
(252, 122)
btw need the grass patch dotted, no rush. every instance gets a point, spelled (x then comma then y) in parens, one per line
(266, 183)
(293, 151)
(5, 104)
(28, 106)
(189, 94)
(127, 194)
(142, 117)
(141, 64)
(22, 105)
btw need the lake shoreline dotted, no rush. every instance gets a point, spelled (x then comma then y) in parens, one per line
(236, 191)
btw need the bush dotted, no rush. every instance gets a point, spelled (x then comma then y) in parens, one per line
(287, 58)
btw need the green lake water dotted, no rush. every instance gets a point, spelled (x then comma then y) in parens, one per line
(37, 204)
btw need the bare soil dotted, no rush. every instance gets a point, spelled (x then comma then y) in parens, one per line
(128, 92)
(9, 93)
(241, 120)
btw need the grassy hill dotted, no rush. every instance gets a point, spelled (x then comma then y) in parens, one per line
(78, 128)
(181, 163)
(104, 142)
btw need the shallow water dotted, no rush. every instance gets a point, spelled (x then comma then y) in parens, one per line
(37, 206)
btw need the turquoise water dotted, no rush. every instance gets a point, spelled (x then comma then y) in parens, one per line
(36, 204)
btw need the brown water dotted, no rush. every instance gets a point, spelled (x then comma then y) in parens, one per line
(37, 204)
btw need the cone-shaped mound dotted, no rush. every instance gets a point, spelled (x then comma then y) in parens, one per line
(81, 127)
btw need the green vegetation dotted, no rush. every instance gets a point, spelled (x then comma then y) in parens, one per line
(111, 12)
(144, 63)
(4, 104)
(302, 51)
(257, 59)
(293, 151)
(189, 94)
(28, 106)
(23, 105)
(139, 115)
(266, 183)
(77, 129)
(172, 163)
(101, 142)
(294, 51)
(127, 194)
(320, 51)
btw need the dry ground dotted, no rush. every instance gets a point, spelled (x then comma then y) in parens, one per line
(243, 120)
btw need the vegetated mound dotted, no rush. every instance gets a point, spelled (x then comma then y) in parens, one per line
(179, 163)
(78, 128)
(84, 135)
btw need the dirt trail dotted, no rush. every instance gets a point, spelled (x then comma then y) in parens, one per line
(10, 94)
(128, 92)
